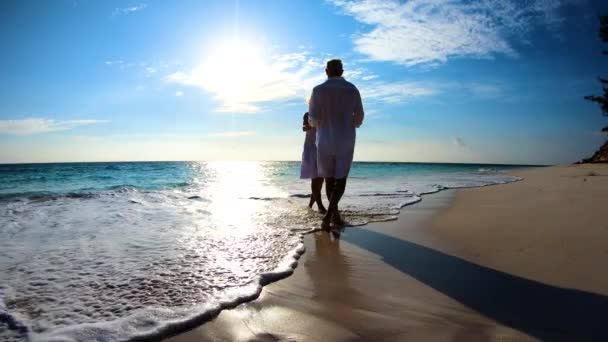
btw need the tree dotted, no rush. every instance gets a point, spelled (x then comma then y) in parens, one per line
(602, 100)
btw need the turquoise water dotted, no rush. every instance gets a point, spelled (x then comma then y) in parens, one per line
(123, 250)
(61, 178)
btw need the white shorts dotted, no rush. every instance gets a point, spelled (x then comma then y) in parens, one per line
(336, 166)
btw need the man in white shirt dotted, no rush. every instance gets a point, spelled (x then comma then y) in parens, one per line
(336, 110)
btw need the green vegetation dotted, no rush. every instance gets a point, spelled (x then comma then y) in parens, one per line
(602, 100)
(601, 156)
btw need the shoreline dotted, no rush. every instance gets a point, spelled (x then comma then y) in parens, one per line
(477, 264)
(295, 298)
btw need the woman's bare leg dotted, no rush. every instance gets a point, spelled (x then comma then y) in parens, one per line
(316, 184)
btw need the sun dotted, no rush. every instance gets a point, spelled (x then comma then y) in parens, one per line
(235, 71)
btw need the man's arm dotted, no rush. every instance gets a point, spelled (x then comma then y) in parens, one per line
(358, 112)
(314, 117)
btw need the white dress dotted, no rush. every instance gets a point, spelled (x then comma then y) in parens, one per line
(308, 170)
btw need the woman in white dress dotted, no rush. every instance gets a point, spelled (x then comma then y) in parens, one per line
(309, 164)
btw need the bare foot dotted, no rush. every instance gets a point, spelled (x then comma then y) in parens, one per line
(322, 209)
(336, 233)
(325, 224)
(337, 220)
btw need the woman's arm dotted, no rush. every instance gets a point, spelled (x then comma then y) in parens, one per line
(314, 117)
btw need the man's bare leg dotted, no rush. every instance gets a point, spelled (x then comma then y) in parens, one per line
(330, 183)
(329, 186)
(338, 188)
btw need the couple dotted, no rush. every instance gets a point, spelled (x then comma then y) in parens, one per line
(334, 112)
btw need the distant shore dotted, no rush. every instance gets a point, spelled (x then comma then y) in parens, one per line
(520, 261)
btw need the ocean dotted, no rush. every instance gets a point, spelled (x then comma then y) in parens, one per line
(117, 251)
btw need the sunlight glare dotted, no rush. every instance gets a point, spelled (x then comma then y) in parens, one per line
(233, 186)
(235, 71)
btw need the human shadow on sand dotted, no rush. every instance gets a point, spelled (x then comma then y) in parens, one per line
(547, 312)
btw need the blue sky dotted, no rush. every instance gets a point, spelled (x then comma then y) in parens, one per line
(442, 81)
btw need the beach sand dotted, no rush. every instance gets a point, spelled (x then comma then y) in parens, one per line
(524, 261)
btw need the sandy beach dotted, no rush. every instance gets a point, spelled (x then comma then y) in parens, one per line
(517, 262)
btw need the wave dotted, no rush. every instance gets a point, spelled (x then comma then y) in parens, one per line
(395, 194)
(123, 188)
(264, 198)
(300, 195)
(46, 196)
(178, 185)
(486, 170)
(198, 198)
(17, 329)
(159, 323)
(84, 193)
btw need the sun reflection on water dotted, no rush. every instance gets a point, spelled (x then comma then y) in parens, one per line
(230, 188)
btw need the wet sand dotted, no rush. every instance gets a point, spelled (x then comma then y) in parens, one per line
(523, 261)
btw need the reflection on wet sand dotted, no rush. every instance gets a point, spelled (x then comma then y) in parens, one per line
(329, 270)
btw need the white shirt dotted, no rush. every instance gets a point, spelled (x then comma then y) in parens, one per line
(336, 110)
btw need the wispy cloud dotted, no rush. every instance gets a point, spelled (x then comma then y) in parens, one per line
(232, 134)
(238, 108)
(432, 31)
(286, 77)
(486, 90)
(143, 68)
(369, 77)
(120, 64)
(179, 93)
(375, 114)
(114, 62)
(255, 81)
(395, 92)
(39, 125)
(128, 10)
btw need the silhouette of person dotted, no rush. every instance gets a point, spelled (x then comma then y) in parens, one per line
(336, 110)
(308, 169)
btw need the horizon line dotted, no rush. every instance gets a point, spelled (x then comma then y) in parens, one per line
(270, 161)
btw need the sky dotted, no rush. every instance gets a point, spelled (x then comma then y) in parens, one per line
(441, 80)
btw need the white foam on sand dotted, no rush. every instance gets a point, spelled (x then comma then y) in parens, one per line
(159, 322)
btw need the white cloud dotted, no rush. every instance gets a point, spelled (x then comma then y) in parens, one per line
(179, 93)
(246, 84)
(128, 10)
(396, 92)
(432, 31)
(116, 62)
(486, 90)
(255, 82)
(232, 134)
(238, 108)
(374, 114)
(39, 125)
